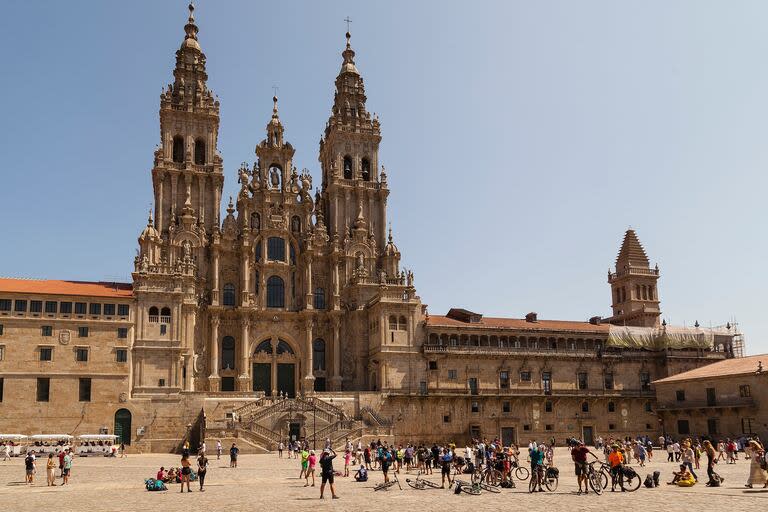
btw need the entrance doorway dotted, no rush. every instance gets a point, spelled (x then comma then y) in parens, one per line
(286, 379)
(588, 436)
(508, 436)
(294, 431)
(319, 383)
(262, 378)
(123, 426)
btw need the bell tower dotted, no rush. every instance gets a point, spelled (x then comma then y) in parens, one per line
(187, 173)
(633, 286)
(354, 189)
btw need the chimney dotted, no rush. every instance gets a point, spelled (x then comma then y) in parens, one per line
(595, 320)
(531, 317)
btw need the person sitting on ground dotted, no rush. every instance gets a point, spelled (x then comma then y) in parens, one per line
(161, 475)
(361, 475)
(681, 476)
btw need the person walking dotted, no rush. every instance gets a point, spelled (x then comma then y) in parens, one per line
(122, 451)
(67, 467)
(202, 469)
(233, 451)
(709, 450)
(670, 453)
(29, 468)
(687, 456)
(186, 471)
(311, 463)
(6, 452)
(757, 473)
(203, 448)
(50, 470)
(218, 449)
(326, 472)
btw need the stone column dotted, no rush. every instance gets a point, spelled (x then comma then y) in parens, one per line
(309, 296)
(215, 278)
(213, 379)
(244, 378)
(273, 367)
(309, 379)
(201, 198)
(245, 282)
(336, 374)
(159, 217)
(174, 180)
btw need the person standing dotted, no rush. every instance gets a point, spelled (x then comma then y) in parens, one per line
(202, 449)
(304, 463)
(122, 450)
(311, 463)
(711, 461)
(186, 471)
(687, 456)
(218, 449)
(6, 452)
(50, 470)
(61, 462)
(326, 472)
(67, 466)
(280, 447)
(233, 451)
(202, 469)
(670, 453)
(757, 475)
(579, 456)
(616, 460)
(29, 468)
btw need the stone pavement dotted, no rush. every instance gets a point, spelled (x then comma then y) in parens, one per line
(101, 484)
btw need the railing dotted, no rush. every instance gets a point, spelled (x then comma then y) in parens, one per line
(245, 409)
(379, 420)
(258, 434)
(165, 319)
(706, 404)
(465, 349)
(323, 410)
(351, 434)
(325, 406)
(537, 391)
(635, 271)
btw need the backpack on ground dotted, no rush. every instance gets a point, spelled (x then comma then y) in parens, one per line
(648, 481)
(656, 476)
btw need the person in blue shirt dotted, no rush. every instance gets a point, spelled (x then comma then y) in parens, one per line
(445, 464)
(362, 474)
(537, 464)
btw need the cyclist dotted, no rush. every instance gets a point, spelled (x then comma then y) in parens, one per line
(537, 466)
(579, 456)
(616, 460)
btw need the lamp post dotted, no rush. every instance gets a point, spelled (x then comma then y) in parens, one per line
(314, 423)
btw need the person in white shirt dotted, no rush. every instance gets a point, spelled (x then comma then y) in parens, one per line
(676, 451)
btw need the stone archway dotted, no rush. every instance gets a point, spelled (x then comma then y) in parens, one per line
(275, 365)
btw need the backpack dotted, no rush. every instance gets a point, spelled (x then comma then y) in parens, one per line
(648, 481)
(552, 472)
(508, 484)
(656, 475)
(628, 472)
(715, 481)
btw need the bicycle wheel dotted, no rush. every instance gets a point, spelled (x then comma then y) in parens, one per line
(416, 484)
(631, 484)
(493, 477)
(470, 489)
(595, 483)
(489, 488)
(550, 482)
(532, 484)
(522, 473)
(604, 478)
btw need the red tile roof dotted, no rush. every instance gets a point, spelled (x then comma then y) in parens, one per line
(53, 287)
(724, 368)
(518, 323)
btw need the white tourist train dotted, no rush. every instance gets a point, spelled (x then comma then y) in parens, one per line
(17, 444)
(93, 445)
(49, 443)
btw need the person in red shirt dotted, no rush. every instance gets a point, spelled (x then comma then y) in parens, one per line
(579, 456)
(61, 462)
(160, 474)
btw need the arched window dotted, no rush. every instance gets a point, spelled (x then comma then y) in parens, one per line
(295, 224)
(347, 168)
(154, 314)
(178, 149)
(255, 221)
(392, 323)
(319, 298)
(165, 315)
(402, 324)
(228, 352)
(366, 171)
(318, 355)
(199, 151)
(284, 348)
(265, 347)
(229, 295)
(584, 406)
(611, 407)
(275, 292)
(275, 248)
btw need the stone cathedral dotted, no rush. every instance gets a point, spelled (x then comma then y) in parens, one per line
(291, 317)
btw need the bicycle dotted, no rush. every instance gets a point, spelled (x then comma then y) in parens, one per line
(547, 476)
(464, 486)
(488, 474)
(386, 485)
(420, 483)
(593, 479)
(521, 472)
(631, 480)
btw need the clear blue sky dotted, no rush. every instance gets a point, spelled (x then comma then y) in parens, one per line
(521, 138)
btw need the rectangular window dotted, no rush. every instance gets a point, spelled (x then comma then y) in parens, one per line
(745, 391)
(683, 427)
(611, 426)
(65, 308)
(275, 248)
(122, 332)
(2, 382)
(95, 309)
(5, 304)
(506, 407)
(46, 353)
(121, 355)
(453, 374)
(546, 382)
(1, 329)
(712, 426)
(2, 351)
(85, 390)
(35, 306)
(527, 427)
(645, 381)
(711, 397)
(548, 427)
(122, 310)
(680, 395)
(608, 381)
(80, 308)
(504, 380)
(50, 306)
(43, 389)
(746, 425)
(433, 365)
(423, 387)
(525, 376)
(82, 332)
(81, 354)
(447, 418)
(109, 309)
(20, 306)
(472, 382)
(582, 380)
(548, 406)
(46, 330)
(648, 407)
(475, 407)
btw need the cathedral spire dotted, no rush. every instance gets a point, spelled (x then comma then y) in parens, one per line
(190, 28)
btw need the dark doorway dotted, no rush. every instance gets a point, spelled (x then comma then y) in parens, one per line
(294, 431)
(123, 426)
(711, 397)
(286, 376)
(227, 383)
(319, 383)
(508, 436)
(262, 378)
(589, 437)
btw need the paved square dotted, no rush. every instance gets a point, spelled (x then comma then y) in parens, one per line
(101, 484)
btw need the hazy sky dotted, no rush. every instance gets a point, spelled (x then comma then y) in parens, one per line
(521, 139)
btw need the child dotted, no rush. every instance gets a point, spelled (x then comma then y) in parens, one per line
(347, 456)
(362, 474)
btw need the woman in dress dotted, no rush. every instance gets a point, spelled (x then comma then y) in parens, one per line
(186, 470)
(757, 475)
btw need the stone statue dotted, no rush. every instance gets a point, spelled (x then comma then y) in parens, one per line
(187, 248)
(274, 177)
(144, 263)
(360, 261)
(410, 278)
(293, 185)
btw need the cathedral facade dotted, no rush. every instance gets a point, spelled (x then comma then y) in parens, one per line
(297, 296)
